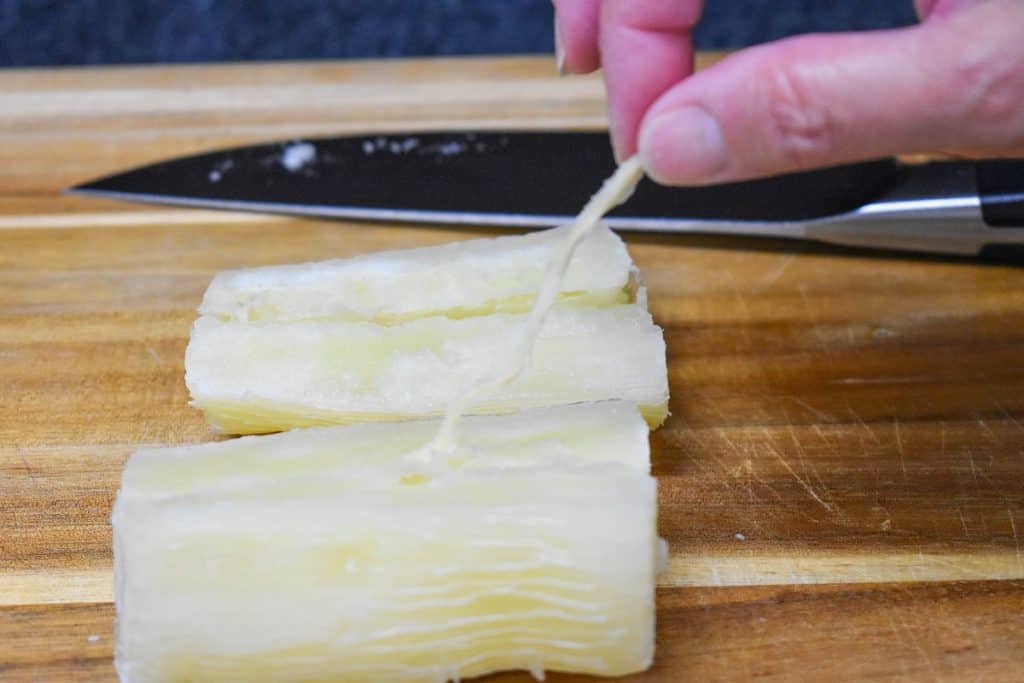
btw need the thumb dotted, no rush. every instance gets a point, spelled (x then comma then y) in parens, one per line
(953, 84)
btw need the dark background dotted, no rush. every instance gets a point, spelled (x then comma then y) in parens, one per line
(49, 32)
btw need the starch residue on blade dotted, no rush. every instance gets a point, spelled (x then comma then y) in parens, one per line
(613, 192)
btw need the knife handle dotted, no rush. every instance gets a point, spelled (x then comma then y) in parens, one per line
(1001, 190)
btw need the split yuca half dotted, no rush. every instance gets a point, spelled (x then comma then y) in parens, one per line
(268, 377)
(400, 335)
(327, 554)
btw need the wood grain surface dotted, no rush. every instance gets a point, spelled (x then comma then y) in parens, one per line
(841, 482)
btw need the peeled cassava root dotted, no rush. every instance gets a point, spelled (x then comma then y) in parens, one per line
(404, 551)
(399, 335)
(326, 554)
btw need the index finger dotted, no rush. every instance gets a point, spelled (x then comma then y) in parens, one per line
(646, 48)
(576, 35)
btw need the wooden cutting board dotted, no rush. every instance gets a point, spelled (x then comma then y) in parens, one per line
(841, 482)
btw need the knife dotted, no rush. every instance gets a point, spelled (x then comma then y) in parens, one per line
(540, 179)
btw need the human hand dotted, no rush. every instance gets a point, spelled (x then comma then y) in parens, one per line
(953, 84)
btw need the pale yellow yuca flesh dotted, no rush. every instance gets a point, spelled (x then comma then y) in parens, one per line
(326, 555)
(253, 378)
(473, 277)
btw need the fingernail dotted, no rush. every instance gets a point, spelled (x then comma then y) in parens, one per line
(559, 50)
(685, 146)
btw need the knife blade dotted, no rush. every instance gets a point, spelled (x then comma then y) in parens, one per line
(539, 179)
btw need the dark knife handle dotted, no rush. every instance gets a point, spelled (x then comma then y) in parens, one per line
(1001, 190)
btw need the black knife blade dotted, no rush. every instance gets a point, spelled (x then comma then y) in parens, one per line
(515, 178)
(539, 179)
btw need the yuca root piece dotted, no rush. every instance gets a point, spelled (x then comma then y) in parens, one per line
(461, 279)
(325, 554)
(256, 378)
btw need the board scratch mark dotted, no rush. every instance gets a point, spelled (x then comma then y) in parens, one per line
(807, 487)
(857, 418)
(803, 462)
(775, 274)
(821, 435)
(974, 471)
(154, 355)
(1016, 540)
(747, 468)
(817, 413)
(896, 632)
(800, 511)
(1002, 409)
(728, 442)
(916, 642)
(762, 482)
(988, 430)
(899, 445)
(29, 472)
